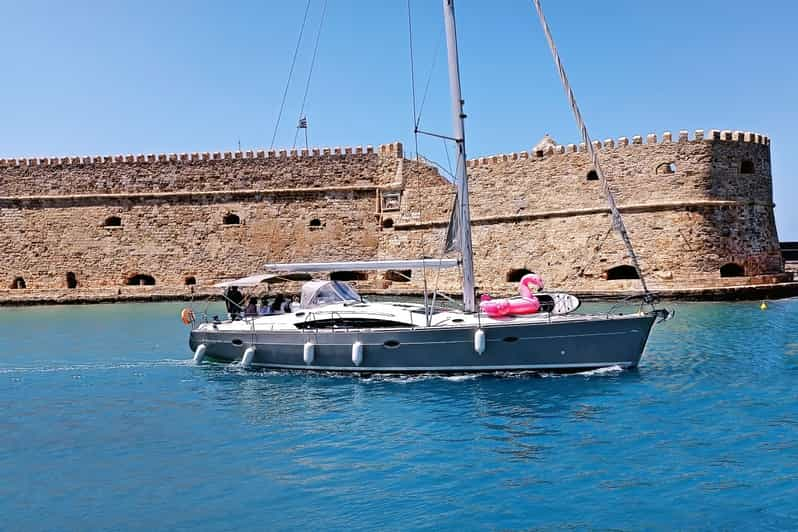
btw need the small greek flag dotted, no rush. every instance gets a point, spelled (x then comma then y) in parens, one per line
(303, 123)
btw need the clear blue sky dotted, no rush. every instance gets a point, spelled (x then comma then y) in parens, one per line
(109, 77)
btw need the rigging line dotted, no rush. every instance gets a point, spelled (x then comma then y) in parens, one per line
(412, 76)
(290, 73)
(448, 160)
(438, 43)
(310, 74)
(617, 221)
(440, 167)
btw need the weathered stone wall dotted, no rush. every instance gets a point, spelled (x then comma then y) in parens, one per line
(691, 205)
(172, 238)
(195, 171)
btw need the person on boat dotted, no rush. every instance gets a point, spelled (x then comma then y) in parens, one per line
(265, 307)
(252, 307)
(289, 304)
(234, 301)
(277, 305)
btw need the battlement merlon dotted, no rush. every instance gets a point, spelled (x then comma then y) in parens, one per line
(390, 150)
(713, 135)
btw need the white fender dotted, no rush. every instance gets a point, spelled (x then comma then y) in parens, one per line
(308, 353)
(479, 341)
(249, 354)
(357, 353)
(199, 354)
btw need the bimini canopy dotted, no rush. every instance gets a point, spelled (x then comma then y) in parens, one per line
(318, 293)
(267, 278)
(365, 265)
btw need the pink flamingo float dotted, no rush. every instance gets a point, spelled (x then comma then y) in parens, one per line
(526, 304)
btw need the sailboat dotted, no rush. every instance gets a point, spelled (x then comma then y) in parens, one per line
(334, 329)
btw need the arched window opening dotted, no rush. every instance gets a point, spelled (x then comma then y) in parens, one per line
(665, 168)
(592, 175)
(315, 223)
(349, 276)
(190, 280)
(140, 279)
(19, 282)
(113, 221)
(732, 269)
(622, 272)
(398, 276)
(71, 280)
(513, 276)
(231, 219)
(747, 166)
(387, 223)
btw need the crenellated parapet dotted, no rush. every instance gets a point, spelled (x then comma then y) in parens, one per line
(700, 135)
(393, 149)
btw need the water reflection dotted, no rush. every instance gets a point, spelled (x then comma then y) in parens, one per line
(516, 416)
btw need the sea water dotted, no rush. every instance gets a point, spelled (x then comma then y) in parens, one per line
(106, 424)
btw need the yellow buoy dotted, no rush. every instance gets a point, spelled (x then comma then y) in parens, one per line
(763, 306)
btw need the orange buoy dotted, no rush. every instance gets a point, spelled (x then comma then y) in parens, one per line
(187, 315)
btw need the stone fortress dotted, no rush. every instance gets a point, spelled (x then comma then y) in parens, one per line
(699, 211)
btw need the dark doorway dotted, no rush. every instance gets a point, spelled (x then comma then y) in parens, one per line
(19, 282)
(349, 276)
(231, 219)
(622, 272)
(113, 221)
(513, 276)
(140, 279)
(190, 280)
(398, 276)
(732, 270)
(71, 280)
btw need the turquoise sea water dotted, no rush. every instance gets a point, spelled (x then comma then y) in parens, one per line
(104, 424)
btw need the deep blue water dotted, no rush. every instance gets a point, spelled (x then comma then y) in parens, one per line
(105, 424)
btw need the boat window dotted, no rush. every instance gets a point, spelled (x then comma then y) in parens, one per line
(347, 291)
(432, 312)
(326, 295)
(349, 323)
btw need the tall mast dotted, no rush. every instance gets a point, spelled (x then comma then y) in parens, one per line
(458, 117)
